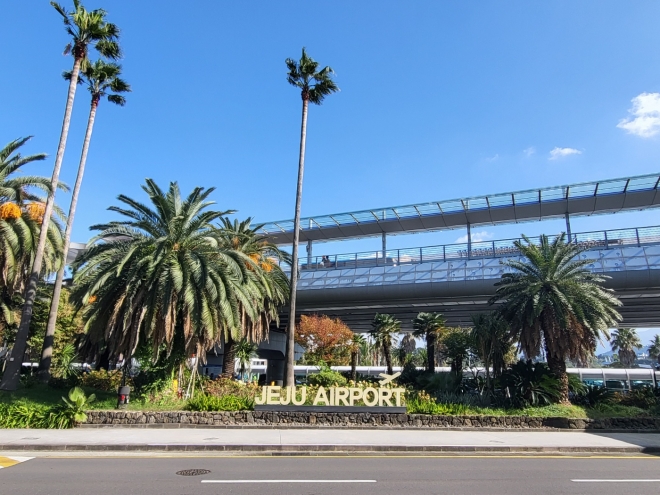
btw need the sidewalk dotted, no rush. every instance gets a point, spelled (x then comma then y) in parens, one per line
(323, 440)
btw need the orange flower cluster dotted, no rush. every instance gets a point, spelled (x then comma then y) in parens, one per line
(10, 211)
(36, 211)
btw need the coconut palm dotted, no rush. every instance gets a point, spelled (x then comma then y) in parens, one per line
(384, 331)
(159, 276)
(314, 86)
(654, 348)
(551, 300)
(493, 343)
(86, 29)
(358, 343)
(428, 326)
(265, 283)
(21, 209)
(624, 343)
(245, 352)
(102, 80)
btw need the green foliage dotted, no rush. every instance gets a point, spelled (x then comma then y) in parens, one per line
(530, 384)
(327, 377)
(624, 342)
(643, 398)
(223, 403)
(63, 365)
(23, 414)
(594, 395)
(457, 343)
(108, 381)
(314, 84)
(76, 405)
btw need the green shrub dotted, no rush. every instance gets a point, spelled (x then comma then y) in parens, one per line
(108, 381)
(644, 398)
(224, 403)
(31, 415)
(530, 384)
(326, 377)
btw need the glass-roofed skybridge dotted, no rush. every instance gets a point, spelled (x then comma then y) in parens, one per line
(458, 279)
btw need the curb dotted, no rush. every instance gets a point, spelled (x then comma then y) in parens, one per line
(317, 449)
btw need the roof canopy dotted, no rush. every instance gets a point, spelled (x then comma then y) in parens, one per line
(609, 196)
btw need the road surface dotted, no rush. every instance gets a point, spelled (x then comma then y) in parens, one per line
(379, 475)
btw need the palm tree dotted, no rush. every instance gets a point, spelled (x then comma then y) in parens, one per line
(20, 219)
(654, 348)
(428, 325)
(493, 343)
(101, 78)
(245, 351)
(87, 29)
(314, 86)
(552, 300)
(266, 284)
(384, 330)
(358, 343)
(160, 277)
(625, 341)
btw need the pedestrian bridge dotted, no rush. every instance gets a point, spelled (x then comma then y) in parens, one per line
(457, 280)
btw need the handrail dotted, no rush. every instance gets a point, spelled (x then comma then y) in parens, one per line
(607, 239)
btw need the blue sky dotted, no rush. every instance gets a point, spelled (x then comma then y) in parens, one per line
(439, 100)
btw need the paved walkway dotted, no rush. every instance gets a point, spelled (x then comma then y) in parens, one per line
(324, 440)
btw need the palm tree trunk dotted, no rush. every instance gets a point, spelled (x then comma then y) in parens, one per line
(388, 359)
(47, 350)
(557, 366)
(228, 358)
(354, 362)
(430, 351)
(290, 342)
(12, 374)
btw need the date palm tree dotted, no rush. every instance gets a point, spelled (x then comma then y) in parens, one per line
(159, 276)
(266, 286)
(493, 343)
(384, 330)
(654, 348)
(86, 29)
(21, 208)
(428, 326)
(245, 352)
(624, 343)
(551, 300)
(102, 80)
(314, 86)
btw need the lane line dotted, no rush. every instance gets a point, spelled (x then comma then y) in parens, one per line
(159, 455)
(616, 481)
(288, 481)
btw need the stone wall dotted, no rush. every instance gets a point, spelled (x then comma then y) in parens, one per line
(356, 420)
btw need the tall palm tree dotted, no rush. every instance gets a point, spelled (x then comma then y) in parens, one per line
(493, 342)
(358, 343)
(102, 80)
(552, 300)
(624, 342)
(86, 29)
(428, 326)
(384, 332)
(654, 348)
(314, 86)
(21, 209)
(265, 282)
(159, 276)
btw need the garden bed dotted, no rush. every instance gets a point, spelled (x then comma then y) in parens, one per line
(251, 419)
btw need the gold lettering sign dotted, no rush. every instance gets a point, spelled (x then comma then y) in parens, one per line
(332, 396)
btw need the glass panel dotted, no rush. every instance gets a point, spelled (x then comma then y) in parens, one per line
(406, 211)
(476, 204)
(526, 197)
(452, 206)
(581, 191)
(500, 200)
(553, 194)
(611, 186)
(428, 209)
(642, 183)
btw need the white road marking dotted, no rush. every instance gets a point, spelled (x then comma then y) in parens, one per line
(616, 481)
(288, 481)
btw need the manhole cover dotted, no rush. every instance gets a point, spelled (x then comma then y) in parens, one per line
(193, 472)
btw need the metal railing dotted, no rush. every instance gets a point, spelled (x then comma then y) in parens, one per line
(605, 239)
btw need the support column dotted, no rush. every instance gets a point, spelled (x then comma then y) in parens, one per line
(469, 236)
(384, 246)
(568, 227)
(309, 253)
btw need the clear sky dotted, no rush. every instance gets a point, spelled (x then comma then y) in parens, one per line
(438, 100)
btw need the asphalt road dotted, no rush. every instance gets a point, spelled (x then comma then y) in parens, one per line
(349, 475)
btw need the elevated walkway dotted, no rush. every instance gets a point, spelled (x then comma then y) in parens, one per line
(458, 281)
